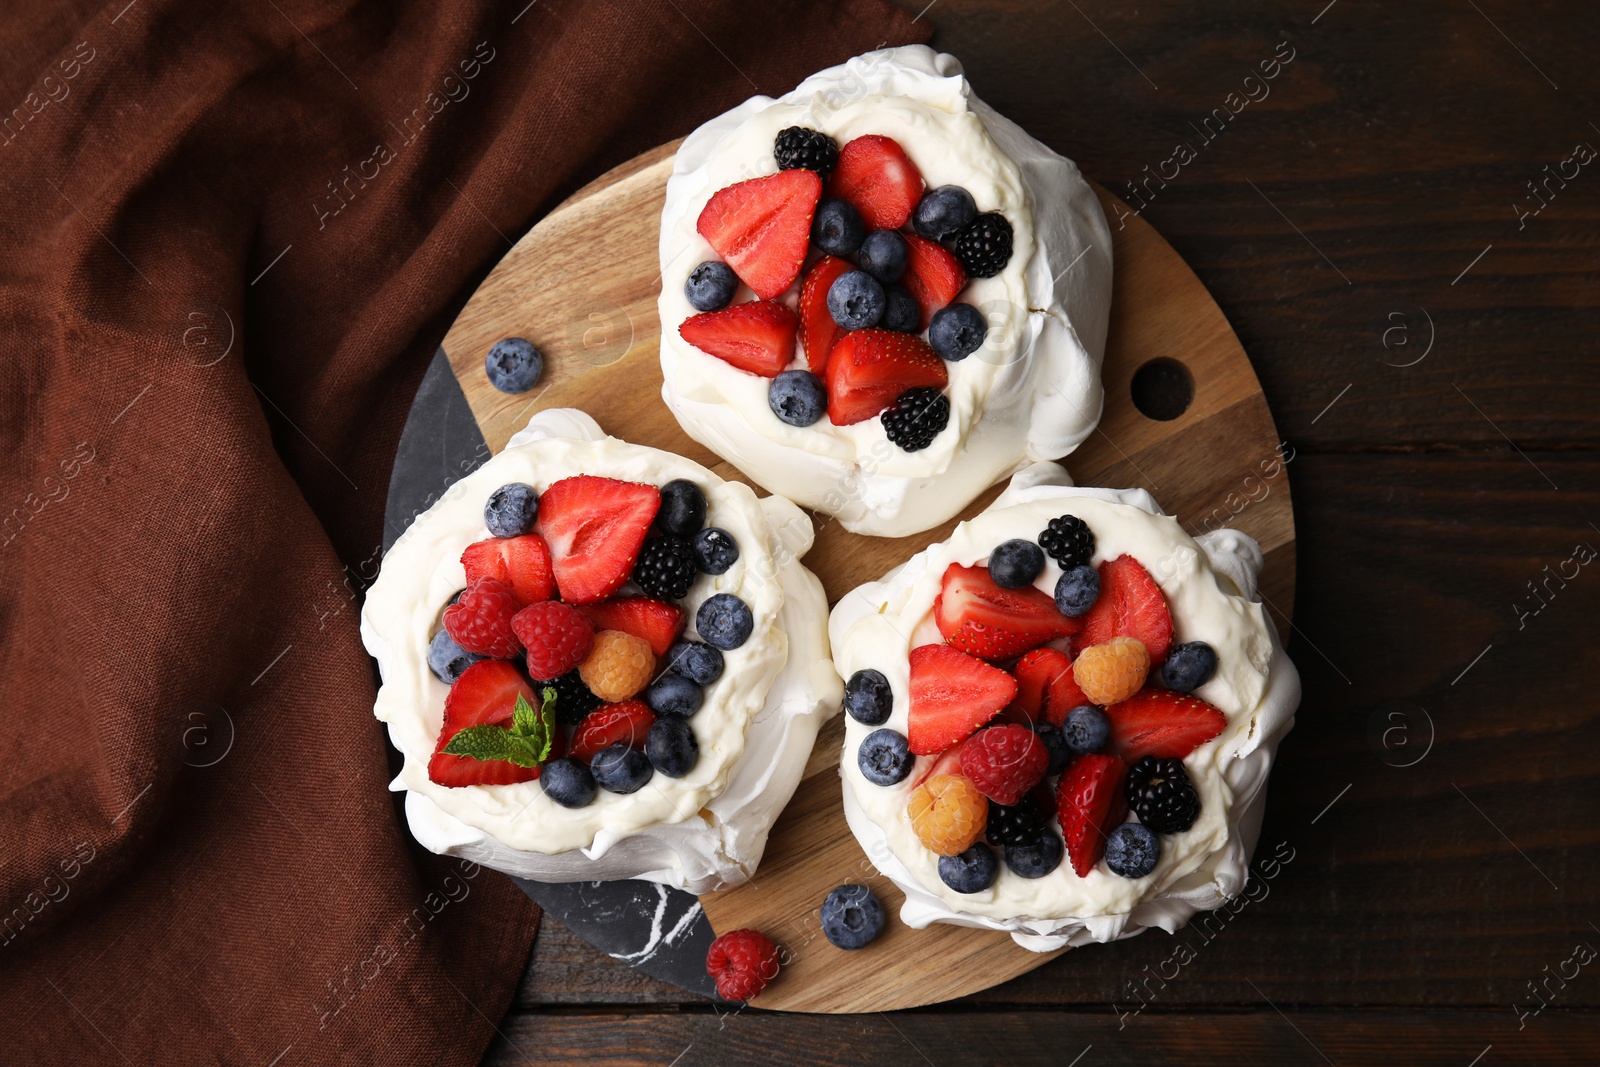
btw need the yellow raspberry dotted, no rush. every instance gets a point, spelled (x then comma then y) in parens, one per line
(948, 813)
(618, 666)
(1112, 672)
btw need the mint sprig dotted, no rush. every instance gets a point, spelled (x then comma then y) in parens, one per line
(526, 742)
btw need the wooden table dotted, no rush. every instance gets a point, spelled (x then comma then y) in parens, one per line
(1430, 356)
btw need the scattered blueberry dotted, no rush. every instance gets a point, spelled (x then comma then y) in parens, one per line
(1015, 563)
(884, 757)
(1077, 590)
(448, 659)
(798, 397)
(715, 550)
(852, 916)
(671, 748)
(620, 769)
(1086, 729)
(699, 663)
(972, 871)
(837, 228)
(901, 312)
(567, 782)
(724, 621)
(511, 510)
(943, 210)
(711, 286)
(957, 331)
(856, 300)
(513, 365)
(1055, 743)
(883, 255)
(1132, 850)
(675, 695)
(1189, 666)
(868, 698)
(1035, 860)
(683, 508)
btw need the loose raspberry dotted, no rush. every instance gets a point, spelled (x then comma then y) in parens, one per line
(618, 665)
(948, 814)
(742, 962)
(1112, 672)
(480, 621)
(556, 635)
(1004, 762)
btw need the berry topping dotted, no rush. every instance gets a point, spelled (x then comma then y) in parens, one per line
(1069, 541)
(1113, 671)
(952, 694)
(683, 509)
(1130, 605)
(957, 331)
(797, 147)
(573, 698)
(762, 227)
(972, 871)
(1132, 850)
(868, 697)
(595, 527)
(486, 694)
(1046, 690)
(711, 286)
(943, 210)
(672, 748)
(852, 917)
(975, 615)
(511, 510)
(1055, 743)
(883, 255)
(1161, 795)
(699, 663)
(1090, 803)
(1015, 563)
(798, 397)
(618, 666)
(837, 228)
(1020, 823)
(1036, 859)
(447, 659)
(1156, 722)
(1004, 761)
(1076, 591)
(1086, 730)
(869, 369)
(675, 695)
(818, 331)
(742, 962)
(984, 245)
(884, 757)
(715, 550)
(874, 174)
(665, 568)
(757, 336)
(932, 275)
(918, 416)
(568, 782)
(523, 561)
(901, 312)
(856, 300)
(724, 621)
(620, 769)
(626, 722)
(556, 635)
(1189, 666)
(657, 622)
(947, 813)
(480, 621)
(513, 365)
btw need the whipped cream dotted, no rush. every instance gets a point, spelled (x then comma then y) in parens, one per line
(1031, 393)
(1210, 586)
(756, 728)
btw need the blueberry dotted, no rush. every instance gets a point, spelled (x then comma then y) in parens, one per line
(852, 916)
(699, 663)
(448, 659)
(1087, 729)
(1015, 563)
(883, 255)
(856, 300)
(675, 695)
(901, 312)
(724, 621)
(943, 210)
(1189, 666)
(797, 397)
(621, 769)
(1035, 860)
(715, 550)
(513, 365)
(567, 782)
(1132, 850)
(1055, 743)
(972, 871)
(957, 331)
(711, 285)
(511, 510)
(683, 508)
(868, 698)
(884, 757)
(837, 228)
(671, 748)
(1077, 590)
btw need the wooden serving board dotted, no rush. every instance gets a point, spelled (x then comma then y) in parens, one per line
(582, 285)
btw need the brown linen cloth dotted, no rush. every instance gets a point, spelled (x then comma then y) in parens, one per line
(233, 235)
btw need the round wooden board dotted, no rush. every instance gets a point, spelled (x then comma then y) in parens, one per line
(582, 285)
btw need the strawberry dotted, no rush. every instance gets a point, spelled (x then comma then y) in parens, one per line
(627, 720)
(1004, 761)
(484, 695)
(952, 694)
(978, 616)
(595, 527)
(874, 174)
(757, 336)
(818, 331)
(762, 227)
(933, 275)
(656, 621)
(1159, 722)
(948, 761)
(869, 369)
(1090, 804)
(1046, 691)
(1131, 605)
(523, 561)
(480, 621)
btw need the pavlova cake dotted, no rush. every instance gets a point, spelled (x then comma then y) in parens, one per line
(879, 296)
(600, 661)
(1062, 718)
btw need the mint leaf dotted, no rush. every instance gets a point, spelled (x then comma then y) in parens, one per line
(494, 742)
(537, 727)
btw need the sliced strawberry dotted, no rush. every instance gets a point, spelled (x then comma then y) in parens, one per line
(869, 369)
(762, 227)
(627, 721)
(484, 695)
(1090, 804)
(948, 761)
(975, 615)
(757, 336)
(933, 275)
(1159, 722)
(874, 174)
(523, 561)
(656, 621)
(1046, 691)
(595, 527)
(1131, 605)
(952, 694)
(818, 331)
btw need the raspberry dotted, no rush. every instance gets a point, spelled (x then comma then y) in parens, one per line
(742, 962)
(1004, 762)
(556, 635)
(948, 814)
(480, 621)
(618, 665)
(1112, 672)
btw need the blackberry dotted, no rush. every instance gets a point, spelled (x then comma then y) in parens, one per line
(1069, 541)
(917, 418)
(1021, 823)
(1160, 793)
(984, 245)
(573, 699)
(799, 148)
(665, 568)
